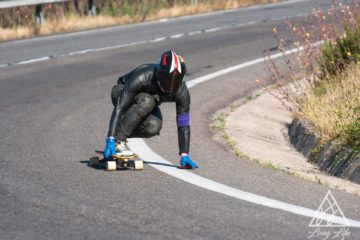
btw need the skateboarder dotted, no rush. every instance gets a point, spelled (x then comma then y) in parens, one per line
(136, 99)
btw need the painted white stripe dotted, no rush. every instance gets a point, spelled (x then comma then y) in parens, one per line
(213, 29)
(156, 161)
(33, 60)
(205, 78)
(91, 50)
(194, 33)
(158, 39)
(177, 35)
(248, 23)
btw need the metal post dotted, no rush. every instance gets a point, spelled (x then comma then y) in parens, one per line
(91, 8)
(77, 8)
(39, 14)
(194, 2)
(66, 7)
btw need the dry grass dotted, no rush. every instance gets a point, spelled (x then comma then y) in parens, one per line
(14, 33)
(75, 23)
(71, 23)
(204, 7)
(315, 83)
(334, 103)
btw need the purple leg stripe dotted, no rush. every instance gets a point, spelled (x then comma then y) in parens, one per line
(183, 120)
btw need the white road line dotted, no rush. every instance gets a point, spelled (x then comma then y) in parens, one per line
(210, 76)
(194, 33)
(213, 29)
(177, 35)
(158, 39)
(33, 60)
(159, 163)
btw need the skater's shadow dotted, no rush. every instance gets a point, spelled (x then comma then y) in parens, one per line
(101, 166)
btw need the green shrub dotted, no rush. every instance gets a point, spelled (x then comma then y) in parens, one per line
(126, 10)
(351, 132)
(339, 54)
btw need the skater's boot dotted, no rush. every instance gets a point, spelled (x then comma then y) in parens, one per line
(122, 149)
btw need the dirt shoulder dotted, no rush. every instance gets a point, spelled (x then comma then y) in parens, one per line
(258, 129)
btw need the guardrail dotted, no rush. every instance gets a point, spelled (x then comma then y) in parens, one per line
(38, 6)
(19, 3)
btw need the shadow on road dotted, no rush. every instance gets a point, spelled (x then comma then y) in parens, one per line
(101, 166)
(161, 164)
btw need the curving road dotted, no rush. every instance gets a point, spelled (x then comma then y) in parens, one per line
(55, 110)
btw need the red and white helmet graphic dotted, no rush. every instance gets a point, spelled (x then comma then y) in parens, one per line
(170, 72)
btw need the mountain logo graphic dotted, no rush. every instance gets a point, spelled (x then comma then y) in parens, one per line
(327, 211)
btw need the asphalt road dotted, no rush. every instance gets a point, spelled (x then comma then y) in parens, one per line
(55, 112)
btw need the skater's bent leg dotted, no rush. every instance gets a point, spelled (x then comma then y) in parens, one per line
(151, 126)
(143, 105)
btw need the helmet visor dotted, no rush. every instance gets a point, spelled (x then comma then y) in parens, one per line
(170, 83)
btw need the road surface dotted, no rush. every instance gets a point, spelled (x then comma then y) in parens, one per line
(55, 108)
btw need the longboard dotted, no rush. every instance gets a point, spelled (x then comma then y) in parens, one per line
(122, 161)
(117, 162)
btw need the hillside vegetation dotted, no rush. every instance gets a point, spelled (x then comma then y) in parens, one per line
(325, 73)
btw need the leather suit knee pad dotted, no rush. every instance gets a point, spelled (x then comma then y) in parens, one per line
(153, 126)
(144, 104)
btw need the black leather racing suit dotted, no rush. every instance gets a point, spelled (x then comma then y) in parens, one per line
(143, 80)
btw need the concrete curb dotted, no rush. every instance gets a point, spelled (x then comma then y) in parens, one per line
(258, 129)
(332, 158)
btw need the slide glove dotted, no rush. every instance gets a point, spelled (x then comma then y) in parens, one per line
(186, 161)
(110, 148)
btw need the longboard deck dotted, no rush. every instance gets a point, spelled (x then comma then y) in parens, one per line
(134, 156)
(117, 162)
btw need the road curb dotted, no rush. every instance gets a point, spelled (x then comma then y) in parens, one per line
(258, 129)
(332, 157)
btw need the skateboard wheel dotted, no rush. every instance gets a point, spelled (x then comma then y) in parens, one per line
(138, 165)
(94, 161)
(110, 166)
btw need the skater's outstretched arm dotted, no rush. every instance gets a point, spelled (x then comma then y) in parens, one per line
(183, 119)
